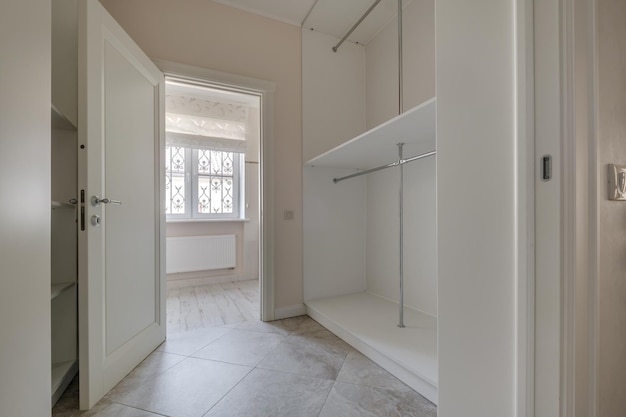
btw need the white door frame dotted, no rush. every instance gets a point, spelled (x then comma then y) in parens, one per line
(548, 209)
(266, 193)
(525, 194)
(580, 193)
(565, 334)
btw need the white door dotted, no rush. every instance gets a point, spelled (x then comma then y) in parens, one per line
(548, 211)
(121, 257)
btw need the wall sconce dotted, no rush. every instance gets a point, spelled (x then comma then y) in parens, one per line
(617, 182)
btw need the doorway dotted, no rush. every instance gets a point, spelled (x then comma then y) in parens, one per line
(212, 203)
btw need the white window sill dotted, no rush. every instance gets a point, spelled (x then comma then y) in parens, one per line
(206, 220)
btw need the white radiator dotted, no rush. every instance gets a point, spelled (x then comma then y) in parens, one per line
(200, 253)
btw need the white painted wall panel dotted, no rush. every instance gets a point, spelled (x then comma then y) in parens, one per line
(476, 207)
(333, 93)
(25, 212)
(334, 233)
(611, 349)
(383, 234)
(381, 68)
(420, 231)
(420, 235)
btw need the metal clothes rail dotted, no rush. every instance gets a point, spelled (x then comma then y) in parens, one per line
(358, 22)
(389, 165)
(399, 163)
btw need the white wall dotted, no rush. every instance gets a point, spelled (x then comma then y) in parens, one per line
(611, 349)
(476, 207)
(334, 233)
(209, 35)
(418, 59)
(333, 93)
(420, 235)
(333, 105)
(25, 211)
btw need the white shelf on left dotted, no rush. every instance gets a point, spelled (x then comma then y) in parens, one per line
(59, 205)
(57, 289)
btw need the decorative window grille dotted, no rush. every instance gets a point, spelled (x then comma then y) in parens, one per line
(175, 180)
(202, 183)
(206, 130)
(216, 188)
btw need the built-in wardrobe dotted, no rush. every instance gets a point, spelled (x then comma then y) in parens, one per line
(370, 238)
(64, 268)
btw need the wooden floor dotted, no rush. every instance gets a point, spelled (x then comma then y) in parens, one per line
(211, 305)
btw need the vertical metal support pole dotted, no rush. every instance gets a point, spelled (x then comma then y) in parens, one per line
(400, 60)
(401, 201)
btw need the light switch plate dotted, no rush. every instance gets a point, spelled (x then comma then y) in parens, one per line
(617, 182)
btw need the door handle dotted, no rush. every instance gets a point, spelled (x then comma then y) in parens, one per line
(96, 201)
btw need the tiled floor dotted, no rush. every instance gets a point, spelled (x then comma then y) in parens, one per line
(292, 368)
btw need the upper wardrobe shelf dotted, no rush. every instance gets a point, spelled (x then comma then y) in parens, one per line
(57, 289)
(415, 128)
(59, 121)
(59, 205)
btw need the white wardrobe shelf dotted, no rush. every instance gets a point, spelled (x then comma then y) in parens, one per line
(59, 121)
(59, 205)
(369, 324)
(57, 289)
(62, 375)
(415, 128)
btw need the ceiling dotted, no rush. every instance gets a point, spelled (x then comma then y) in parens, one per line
(332, 17)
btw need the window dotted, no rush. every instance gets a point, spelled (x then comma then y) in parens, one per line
(202, 183)
(206, 140)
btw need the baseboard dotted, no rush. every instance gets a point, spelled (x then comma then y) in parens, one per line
(194, 282)
(291, 311)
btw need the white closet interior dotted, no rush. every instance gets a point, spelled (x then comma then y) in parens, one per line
(63, 288)
(352, 227)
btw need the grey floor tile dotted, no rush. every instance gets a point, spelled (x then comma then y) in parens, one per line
(263, 327)
(188, 389)
(348, 400)
(301, 325)
(360, 370)
(66, 413)
(241, 347)
(186, 343)
(293, 325)
(153, 365)
(319, 354)
(274, 394)
(67, 405)
(115, 410)
(324, 340)
(294, 379)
